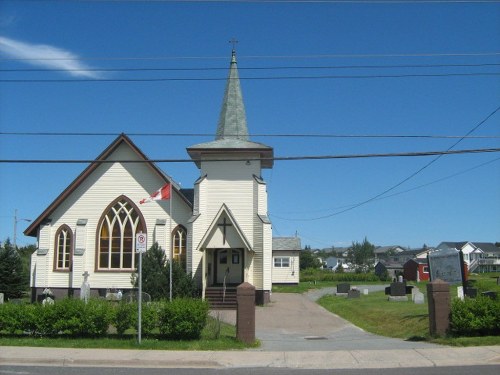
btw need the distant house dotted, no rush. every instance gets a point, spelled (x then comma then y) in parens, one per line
(471, 252)
(387, 252)
(416, 269)
(333, 263)
(394, 269)
(489, 260)
(286, 253)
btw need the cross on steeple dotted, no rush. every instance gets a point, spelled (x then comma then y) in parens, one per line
(233, 41)
(224, 225)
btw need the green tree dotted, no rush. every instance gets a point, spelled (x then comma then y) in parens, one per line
(361, 255)
(308, 260)
(156, 276)
(13, 279)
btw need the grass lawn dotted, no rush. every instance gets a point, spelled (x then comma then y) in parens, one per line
(208, 341)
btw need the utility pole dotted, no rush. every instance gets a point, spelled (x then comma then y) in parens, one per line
(16, 220)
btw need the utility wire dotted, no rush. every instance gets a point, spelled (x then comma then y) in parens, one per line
(398, 193)
(277, 1)
(87, 80)
(449, 150)
(382, 136)
(241, 57)
(282, 158)
(411, 66)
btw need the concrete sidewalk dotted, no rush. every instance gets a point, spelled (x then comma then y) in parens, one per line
(341, 359)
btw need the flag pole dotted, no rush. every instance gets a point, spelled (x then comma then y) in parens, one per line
(171, 242)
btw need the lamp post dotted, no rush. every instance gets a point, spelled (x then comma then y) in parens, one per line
(16, 220)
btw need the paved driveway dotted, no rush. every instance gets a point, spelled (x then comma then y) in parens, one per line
(294, 322)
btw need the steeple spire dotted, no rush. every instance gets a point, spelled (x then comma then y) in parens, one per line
(232, 120)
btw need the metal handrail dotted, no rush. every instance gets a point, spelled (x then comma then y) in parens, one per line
(224, 285)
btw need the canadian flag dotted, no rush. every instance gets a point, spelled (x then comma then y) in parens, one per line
(160, 194)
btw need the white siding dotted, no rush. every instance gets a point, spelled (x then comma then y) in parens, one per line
(109, 181)
(286, 275)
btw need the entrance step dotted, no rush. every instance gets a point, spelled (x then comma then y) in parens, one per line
(220, 301)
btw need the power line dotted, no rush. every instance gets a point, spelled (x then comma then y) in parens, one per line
(282, 158)
(483, 121)
(277, 135)
(134, 80)
(399, 192)
(240, 57)
(412, 66)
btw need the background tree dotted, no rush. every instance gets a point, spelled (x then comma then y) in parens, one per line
(362, 255)
(13, 279)
(156, 276)
(308, 260)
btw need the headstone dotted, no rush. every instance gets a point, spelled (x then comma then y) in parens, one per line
(343, 288)
(398, 292)
(471, 292)
(398, 289)
(419, 298)
(353, 293)
(460, 292)
(1, 298)
(414, 291)
(365, 292)
(85, 288)
(400, 278)
(491, 294)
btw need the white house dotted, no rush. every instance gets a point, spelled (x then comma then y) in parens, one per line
(286, 260)
(219, 230)
(470, 251)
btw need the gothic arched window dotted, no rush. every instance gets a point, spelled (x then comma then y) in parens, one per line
(180, 246)
(116, 236)
(63, 249)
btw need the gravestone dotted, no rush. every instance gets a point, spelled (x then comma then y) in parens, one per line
(365, 292)
(446, 265)
(398, 292)
(471, 292)
(85, 288)
(343, 288)
(419, 298)
(460, 292)
(491, 294)
(1, 298)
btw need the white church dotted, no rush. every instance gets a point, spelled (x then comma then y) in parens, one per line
(219, 231)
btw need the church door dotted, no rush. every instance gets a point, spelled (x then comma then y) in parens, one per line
(229, 265)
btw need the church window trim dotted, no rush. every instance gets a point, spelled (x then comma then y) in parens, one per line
(179, 245)
(63, 249)
(116, 233)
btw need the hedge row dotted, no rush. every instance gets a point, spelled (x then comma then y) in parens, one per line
(323, 275)
(475, 317)
(179, 319)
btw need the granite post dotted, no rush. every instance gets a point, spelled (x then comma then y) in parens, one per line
(438, 296)
(245, 313)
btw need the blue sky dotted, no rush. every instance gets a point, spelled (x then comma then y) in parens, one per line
(395, 47)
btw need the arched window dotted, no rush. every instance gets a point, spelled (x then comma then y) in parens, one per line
(63, 249)
(180, 247)
(116, 236)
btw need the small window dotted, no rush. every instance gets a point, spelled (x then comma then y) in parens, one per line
(236, 258)
(223, 257)
(63, 253)
(180, 246)
(426, 269)
(282, 262)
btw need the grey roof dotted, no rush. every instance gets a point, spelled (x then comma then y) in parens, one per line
(454, 245)
(487, 247)
(232, 131)
(385, 249)
(286, 243)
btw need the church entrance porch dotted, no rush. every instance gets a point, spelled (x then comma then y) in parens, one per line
(228, 267)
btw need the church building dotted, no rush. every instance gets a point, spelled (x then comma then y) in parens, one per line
(219, 231)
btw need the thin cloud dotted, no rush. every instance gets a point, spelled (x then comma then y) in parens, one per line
(42, 55)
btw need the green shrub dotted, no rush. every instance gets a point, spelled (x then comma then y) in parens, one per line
(475, 317)
(149, 314)
(325, 275)
(10, 319)
(183, 318)
(97, 317)
(124, 316)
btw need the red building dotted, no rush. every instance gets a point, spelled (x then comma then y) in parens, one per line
(416, 269)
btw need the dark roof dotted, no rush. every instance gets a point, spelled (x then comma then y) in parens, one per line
(455, 245)
(122, 138)
(418, 260)
(487, 247)
(286, 243)
(390, 265)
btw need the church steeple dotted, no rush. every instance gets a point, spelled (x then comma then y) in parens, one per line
(232, 119)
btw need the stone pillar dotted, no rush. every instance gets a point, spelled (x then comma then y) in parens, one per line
(245, 313)
(438, 296)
